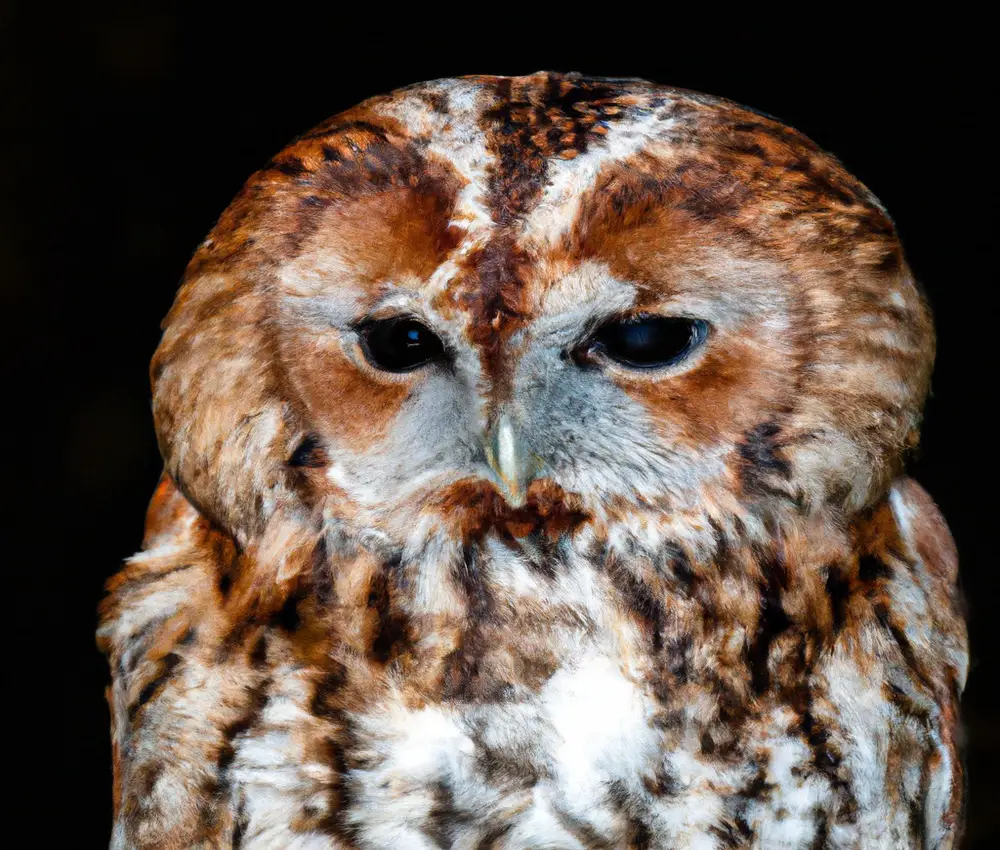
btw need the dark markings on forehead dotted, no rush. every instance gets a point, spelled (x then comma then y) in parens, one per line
(336, 128)
(342, 160)
(368, 159)
(493, 295)
(754, 179)
(532, 121)
(362, 160)
(539, 118)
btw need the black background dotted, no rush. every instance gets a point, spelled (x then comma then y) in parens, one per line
(128, 130)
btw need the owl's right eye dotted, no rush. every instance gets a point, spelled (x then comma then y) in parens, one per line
(399, 344)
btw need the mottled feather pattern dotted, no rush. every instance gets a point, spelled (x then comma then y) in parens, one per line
(706, 610)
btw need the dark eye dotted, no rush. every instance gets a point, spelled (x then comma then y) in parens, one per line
(645, 342)
(400, 344)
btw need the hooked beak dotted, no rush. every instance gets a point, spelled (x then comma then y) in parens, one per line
(511, 460)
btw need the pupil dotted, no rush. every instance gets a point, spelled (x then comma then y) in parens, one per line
(648, 342)
(399, 345)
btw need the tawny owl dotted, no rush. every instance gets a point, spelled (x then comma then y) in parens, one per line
(534, 479)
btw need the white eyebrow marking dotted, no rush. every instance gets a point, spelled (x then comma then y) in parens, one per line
(570, 180)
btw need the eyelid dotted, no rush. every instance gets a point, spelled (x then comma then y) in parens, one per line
(386, 314)
(398, 309)
(359, 326)
(596, 323)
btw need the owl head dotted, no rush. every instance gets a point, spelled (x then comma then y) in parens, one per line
(530, 303)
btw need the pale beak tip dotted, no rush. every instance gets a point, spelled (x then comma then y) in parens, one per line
(506, 455)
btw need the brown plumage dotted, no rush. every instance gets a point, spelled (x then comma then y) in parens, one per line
(534, 478)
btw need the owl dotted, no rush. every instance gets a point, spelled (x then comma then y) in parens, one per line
(534, 478)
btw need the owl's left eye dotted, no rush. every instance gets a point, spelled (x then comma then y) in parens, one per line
(399, 344)
(648, 342)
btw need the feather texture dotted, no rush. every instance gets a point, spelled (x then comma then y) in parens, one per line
(528, 595)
